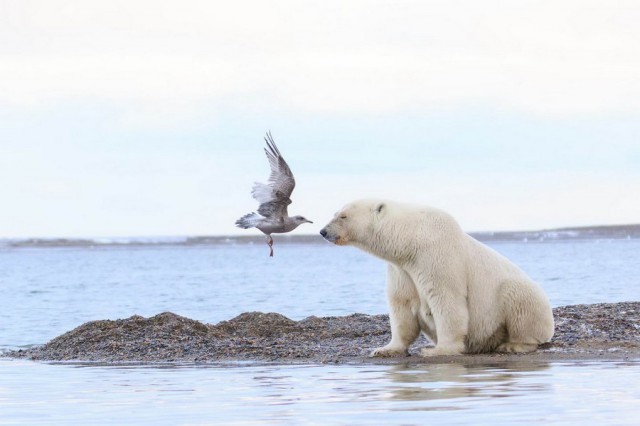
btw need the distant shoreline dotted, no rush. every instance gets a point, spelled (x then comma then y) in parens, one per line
(608, 232)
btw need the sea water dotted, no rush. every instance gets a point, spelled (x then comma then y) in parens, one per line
(47, 291)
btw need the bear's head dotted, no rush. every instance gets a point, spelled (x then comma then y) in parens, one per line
(356, 223)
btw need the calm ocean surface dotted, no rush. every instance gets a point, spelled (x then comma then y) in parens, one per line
(45, 292)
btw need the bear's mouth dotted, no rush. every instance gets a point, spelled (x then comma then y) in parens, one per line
(336, 239)
(340, 241)
(332, 238)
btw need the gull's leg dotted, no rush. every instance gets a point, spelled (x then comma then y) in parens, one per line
(270, 243)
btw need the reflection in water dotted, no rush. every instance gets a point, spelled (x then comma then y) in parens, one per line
(523, 393)
(414, 387)
(447, 381)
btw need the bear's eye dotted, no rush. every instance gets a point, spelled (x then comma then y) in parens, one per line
(343, 216)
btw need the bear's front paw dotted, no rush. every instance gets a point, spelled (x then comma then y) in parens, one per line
(387, 352)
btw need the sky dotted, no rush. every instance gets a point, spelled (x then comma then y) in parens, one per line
(147, 118)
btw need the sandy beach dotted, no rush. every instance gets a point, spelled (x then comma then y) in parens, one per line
(597, 331)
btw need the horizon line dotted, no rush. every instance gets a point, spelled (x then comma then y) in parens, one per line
(630, 228)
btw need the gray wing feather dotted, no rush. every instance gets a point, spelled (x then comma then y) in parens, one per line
(276, 208)
(281, 178)
(281, 182)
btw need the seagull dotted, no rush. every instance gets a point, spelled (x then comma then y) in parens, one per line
(272, 216)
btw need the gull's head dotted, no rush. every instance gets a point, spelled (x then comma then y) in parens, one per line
(301, 219)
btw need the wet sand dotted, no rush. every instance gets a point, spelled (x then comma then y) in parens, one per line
(583, 332)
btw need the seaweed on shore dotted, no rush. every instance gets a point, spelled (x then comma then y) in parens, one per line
(581, 330)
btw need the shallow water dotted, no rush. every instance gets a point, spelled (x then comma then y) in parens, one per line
(516, 393)
(47, 291)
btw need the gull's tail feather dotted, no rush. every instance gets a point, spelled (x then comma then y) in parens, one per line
(249, 221)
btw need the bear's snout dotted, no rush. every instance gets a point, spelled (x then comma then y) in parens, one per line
(329, 236)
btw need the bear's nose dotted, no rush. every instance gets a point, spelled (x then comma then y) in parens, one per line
(323, 232)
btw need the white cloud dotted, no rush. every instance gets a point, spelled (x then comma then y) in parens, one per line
(560, 57)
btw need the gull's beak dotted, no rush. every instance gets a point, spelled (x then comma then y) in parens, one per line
(308, 221)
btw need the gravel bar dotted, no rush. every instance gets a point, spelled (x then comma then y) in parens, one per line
(597, 331)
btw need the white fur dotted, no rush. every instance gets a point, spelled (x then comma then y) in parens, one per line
(464, 296)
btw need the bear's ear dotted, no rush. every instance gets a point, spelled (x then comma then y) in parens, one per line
(379, 207)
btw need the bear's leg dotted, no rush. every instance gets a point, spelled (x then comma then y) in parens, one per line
(451, 319)
(519, 338)
(527, 321)
(403, 313)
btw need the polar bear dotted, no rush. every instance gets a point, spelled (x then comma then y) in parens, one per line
(464, 296)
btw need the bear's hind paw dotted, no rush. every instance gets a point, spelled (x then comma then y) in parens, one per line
(385, 352)
(439, 351)
(517, 348)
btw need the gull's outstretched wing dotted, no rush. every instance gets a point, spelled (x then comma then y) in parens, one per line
(281, 178)
(274, 197)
